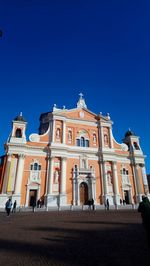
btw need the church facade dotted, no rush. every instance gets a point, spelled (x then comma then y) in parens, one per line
(74, 158)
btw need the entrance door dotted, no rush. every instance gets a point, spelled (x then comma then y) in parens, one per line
(32, 197)
(83, 193)
(126, 196)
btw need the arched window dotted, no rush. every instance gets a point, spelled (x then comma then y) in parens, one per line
(82, 142)
(86, 143)
(18, 133)
(76, 167)
(35, 167)
(136, 145)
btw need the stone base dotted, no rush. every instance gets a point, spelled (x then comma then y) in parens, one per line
(55, 200)
(117, 199)
(16, 197)
(63, 199)
(3, 199)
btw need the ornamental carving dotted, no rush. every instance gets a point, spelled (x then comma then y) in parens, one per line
(34, 138)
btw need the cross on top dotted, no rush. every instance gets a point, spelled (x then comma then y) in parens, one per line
(81, 95)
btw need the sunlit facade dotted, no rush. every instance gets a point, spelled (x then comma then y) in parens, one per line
(73, 158)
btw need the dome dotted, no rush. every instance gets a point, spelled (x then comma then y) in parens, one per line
(20, 118)
(129, 133)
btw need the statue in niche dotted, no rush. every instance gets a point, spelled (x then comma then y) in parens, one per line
(56, 177)
(58, 133)
(69, 135)
(106, 139)
(109, 182)
(94, 138)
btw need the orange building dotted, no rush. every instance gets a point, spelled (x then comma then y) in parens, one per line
(72, 160)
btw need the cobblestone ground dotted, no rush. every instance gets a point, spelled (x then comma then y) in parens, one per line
(73, 238)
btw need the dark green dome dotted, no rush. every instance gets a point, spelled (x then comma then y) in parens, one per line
(129, 133)
(20, 118)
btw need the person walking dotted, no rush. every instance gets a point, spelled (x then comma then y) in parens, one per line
(144, 209)
(8, 206)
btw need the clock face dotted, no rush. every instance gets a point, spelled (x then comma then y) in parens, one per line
(81, 114)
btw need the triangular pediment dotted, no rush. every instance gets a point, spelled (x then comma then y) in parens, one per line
(78, 113)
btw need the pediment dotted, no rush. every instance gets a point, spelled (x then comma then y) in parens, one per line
(79, 113)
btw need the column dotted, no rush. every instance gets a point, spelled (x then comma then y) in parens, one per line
(64, 132)
(19, 174)
(27, 196)
(102, 178)
(101, 136)
(50, 176)
(78, 192)
(105, 181)
(138, 185)
(53, 134)
(6, 175)
(63, 176)
(145, 181)
(94, 189)
(111, 138)
(74, 191)
(115, 181)
(47, 174)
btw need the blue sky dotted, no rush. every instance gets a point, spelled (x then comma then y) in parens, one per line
(53, 50)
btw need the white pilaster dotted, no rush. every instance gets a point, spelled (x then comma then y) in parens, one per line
(50, 176)
(27, 196)
(19, 174)
(102, 135)
(139, 192)
(74, 191)
(111, 138)
(63, 197)
(53, 134)
(64, 132)
(78, 192)
(102, 178)
(47, 174)
(116, 187)
(6, 175)
(145, 181)
(63, 176)
(105, 181)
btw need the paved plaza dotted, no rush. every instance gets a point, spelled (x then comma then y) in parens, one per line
(73, 238)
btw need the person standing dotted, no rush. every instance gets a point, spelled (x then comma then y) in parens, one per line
(92, 203)
(107, 204)
(14, 206)
(8, 206)
(144, 209)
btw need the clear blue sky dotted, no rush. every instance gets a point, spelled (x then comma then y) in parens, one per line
(100, 48)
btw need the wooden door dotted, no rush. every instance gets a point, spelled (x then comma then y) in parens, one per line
(83, 193)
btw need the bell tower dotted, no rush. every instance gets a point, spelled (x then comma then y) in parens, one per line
(132, 142)
(138, 164)
(18, 130)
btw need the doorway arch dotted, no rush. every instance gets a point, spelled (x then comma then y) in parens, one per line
(83, 193)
